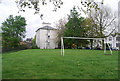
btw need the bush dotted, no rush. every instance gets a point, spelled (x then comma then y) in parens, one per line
(34, 47)
(97, 48)
(87, 48)
(21, 47)
(79, 47)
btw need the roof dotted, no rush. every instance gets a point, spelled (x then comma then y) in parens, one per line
(46, 28)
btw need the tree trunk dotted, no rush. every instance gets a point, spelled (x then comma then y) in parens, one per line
(102, 44)
(91, 41)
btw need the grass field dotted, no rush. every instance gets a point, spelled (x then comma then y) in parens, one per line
(49, 64)
(0, 66)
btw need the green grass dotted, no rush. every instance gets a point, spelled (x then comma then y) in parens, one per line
(0, 66)
(49, 64)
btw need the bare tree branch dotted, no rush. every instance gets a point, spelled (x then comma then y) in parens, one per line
(108, 24)
(103, 20)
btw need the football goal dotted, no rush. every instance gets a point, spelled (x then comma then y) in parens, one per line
(99, 39)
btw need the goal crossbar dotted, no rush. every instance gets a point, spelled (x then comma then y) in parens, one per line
(83, 38)
(62, 43)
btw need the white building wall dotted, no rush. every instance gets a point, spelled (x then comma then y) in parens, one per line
(42, 38)
(112, 42)
(37, 39)
(53, 39)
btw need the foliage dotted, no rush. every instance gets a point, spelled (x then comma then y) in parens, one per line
(102, 17)
(36, 5)
(105, 20)
(60, 24)
(48, 64)
(18, 48)
(13, 30)
(0, 42)
(89, 5)
(90, 29)
(74, 28)
(34, 46)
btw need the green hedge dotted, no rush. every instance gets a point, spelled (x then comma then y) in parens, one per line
(21, 47)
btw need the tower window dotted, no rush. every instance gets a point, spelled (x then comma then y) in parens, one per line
(110, 38)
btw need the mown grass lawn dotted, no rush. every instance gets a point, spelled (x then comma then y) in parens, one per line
(49, 64)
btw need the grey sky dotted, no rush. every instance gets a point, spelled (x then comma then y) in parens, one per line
(9, 7)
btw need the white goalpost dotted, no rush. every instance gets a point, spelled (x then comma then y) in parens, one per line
(62, 43)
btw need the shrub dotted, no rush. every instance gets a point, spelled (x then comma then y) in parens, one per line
(20, 47)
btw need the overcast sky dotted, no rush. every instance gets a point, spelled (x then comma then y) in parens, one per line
(8, 7)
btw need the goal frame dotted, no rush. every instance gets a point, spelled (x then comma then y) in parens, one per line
(62, 43)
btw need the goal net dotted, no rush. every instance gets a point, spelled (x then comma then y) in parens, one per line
(100, 39)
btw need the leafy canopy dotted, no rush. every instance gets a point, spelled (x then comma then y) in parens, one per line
(13, 30)
(74, 28)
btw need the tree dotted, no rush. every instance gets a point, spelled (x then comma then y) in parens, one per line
(74, 28)
(101, 16)
(88, 5)
(13, 30)
(36, 5)
(34, 46)
(105, 19)
(90, 29)
(60, 24)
